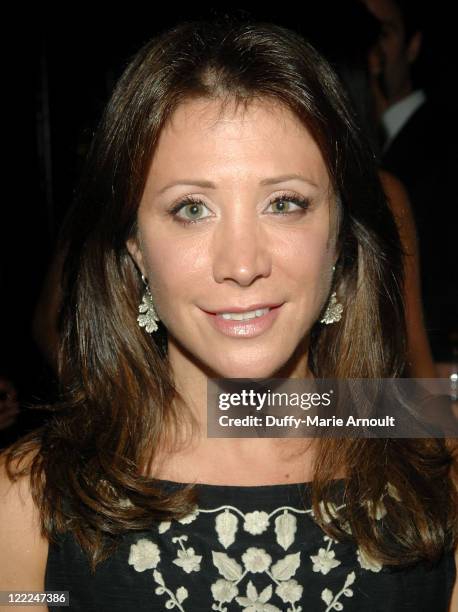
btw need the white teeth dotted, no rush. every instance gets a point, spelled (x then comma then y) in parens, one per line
(243, 316)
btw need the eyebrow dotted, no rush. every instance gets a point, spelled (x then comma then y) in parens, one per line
(267, 181)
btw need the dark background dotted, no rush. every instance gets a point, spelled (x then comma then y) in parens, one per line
(58, 71)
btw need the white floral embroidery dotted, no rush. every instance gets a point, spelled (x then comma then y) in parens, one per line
(289, 591)
(144, 555)
(188, 560)
(366, 562)
(189, 517)
(234, 583)
(164, 526)
(176, 599)
(285, 529)
(257, 603)
(181, 594)
(226, 525)
(227, 567)
(324, 561)
(256, 522)
(224, 590)
(256, 560)
(286, 567)
(332, 601)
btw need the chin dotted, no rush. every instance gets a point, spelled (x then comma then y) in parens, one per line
(246, 370)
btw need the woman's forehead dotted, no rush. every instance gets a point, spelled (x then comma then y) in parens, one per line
(234, 119)
(259, 138)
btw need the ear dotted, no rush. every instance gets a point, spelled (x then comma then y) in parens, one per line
(136, 254)
(414, 46)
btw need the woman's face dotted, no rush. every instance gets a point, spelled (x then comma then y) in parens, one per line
(236, 218)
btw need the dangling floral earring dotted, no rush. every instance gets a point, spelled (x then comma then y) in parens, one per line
(149, 317)
(334, 309)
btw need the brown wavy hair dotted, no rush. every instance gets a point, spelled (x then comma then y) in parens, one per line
(88, 464)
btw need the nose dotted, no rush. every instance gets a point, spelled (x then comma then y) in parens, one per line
(241, 251)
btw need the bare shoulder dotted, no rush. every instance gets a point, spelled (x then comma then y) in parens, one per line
(24, 551)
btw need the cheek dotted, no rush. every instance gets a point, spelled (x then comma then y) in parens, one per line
(307, 258)
(171, 266)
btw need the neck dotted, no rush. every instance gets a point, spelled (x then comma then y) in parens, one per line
(191, 377)
(184, 458)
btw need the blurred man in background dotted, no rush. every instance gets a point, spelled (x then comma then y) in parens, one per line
(419, 149)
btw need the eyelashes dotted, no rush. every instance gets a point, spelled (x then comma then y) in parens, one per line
(301, 203)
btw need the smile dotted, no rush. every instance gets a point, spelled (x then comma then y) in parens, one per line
(247, 324)
(243, 316)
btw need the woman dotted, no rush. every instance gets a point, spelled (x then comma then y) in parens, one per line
(226, 177)
(351, 63)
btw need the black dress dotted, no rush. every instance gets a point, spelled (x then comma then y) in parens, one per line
(255, 548)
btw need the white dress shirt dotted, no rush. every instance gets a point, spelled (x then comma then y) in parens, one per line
(394, 118)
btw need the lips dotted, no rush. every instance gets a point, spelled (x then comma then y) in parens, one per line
(249, 328)
(242, 309)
